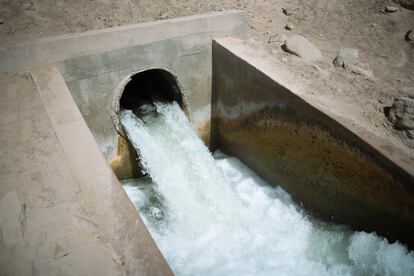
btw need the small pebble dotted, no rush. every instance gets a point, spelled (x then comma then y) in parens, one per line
(323, 73)
(289, 27)
(401, 113)
(346, 57)
(286, 11)
(301, 47)
(391, 9)
(407, 92)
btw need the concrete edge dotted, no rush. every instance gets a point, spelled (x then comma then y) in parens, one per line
(59, 48)
(117, 218)
(390, 152)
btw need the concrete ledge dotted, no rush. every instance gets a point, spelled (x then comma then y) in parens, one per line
(101, 193)
(336, 171)
(59, 48)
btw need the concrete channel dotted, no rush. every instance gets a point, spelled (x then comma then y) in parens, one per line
(64, 151)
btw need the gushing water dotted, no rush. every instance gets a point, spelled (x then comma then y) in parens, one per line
(214, 216)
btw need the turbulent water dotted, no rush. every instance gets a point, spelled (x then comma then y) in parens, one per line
(214, 216)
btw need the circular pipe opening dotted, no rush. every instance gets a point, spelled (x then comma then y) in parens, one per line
(139, 88)
(145, 87)
(154, 85)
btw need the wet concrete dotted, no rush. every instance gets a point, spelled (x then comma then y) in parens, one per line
(328, 168)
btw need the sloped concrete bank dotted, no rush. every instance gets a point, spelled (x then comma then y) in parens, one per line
(334, 170)
(63, 212)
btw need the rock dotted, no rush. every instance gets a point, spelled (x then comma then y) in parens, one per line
(362, 72)
(410, 134)
(323, 73)
(161, 16)
(409, 36)
(407, 92)
(401, 113)
(391, 9)
(289, 27)
(287, 11)
(346, 57)
(273, 38)
(300, 46)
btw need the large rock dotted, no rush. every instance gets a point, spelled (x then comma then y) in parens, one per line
(346, 57)
(401, 113)
(300, 46)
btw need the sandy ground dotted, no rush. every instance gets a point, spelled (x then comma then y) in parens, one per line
(330, 25)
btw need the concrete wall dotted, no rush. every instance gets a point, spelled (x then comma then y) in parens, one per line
(59, 48)
(180, 46)
(337, 172)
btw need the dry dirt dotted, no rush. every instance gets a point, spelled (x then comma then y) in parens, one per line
(329, 24)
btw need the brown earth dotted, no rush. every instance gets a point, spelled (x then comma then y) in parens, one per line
(330, 25)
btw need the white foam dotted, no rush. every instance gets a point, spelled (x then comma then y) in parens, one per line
(216, 217)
